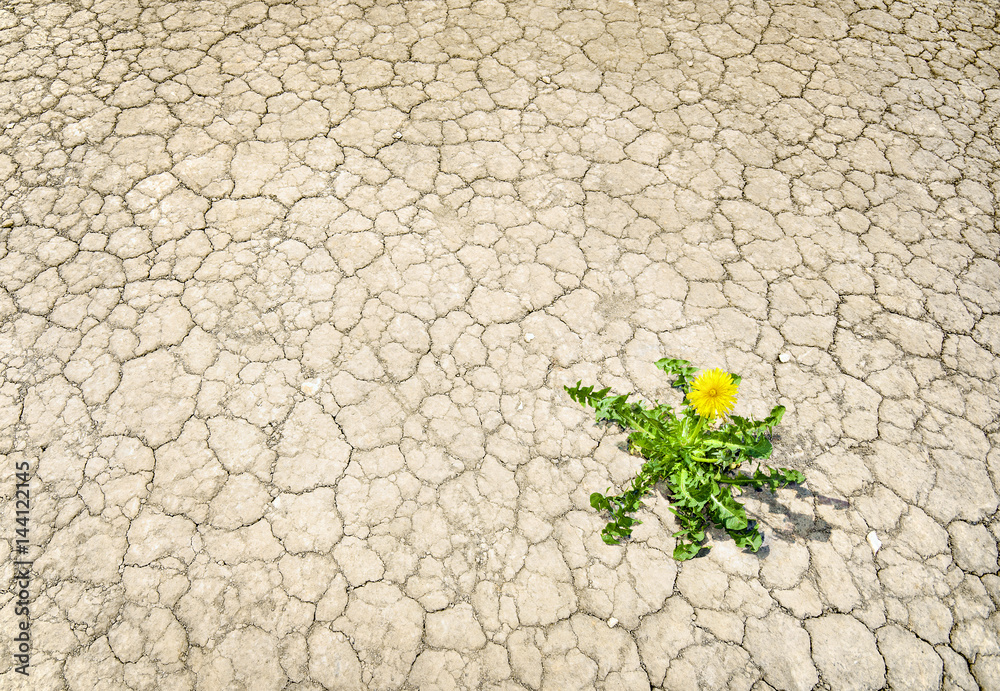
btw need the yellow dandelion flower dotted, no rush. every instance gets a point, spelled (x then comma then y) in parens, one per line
(713, 394)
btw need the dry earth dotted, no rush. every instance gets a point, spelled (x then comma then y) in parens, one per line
(290, 292)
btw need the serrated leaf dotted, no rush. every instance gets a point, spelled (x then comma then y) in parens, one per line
(681, 369)
(759, 448)
(774, 417)
(686, 550)
(727, 512)
(750, 539)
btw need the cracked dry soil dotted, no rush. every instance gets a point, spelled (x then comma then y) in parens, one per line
(290, 292)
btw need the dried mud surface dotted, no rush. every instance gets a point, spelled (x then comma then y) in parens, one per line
(289, 293)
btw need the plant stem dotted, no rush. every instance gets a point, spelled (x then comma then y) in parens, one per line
(697, 429)
(739, 480)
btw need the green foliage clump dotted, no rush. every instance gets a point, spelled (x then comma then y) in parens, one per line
(698, 462)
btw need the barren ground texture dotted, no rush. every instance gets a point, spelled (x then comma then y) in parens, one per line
(290, 292)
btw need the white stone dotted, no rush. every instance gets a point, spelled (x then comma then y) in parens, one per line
(873, 542)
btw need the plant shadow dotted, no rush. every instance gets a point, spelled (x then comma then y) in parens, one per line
(789, 514)
(784, 515)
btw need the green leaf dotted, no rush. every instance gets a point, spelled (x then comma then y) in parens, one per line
(775, 478)
(748, 539)
(685, 550)
(774, 417)
(600, 502)
(759, 448)
(726, 511)
(585, 395)
(681, 369)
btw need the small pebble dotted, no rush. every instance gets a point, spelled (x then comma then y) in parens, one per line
(529, 337)
(612, 622)
(784, 357)
(874, 542)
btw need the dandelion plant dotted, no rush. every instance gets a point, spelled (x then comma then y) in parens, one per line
(700, 454)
